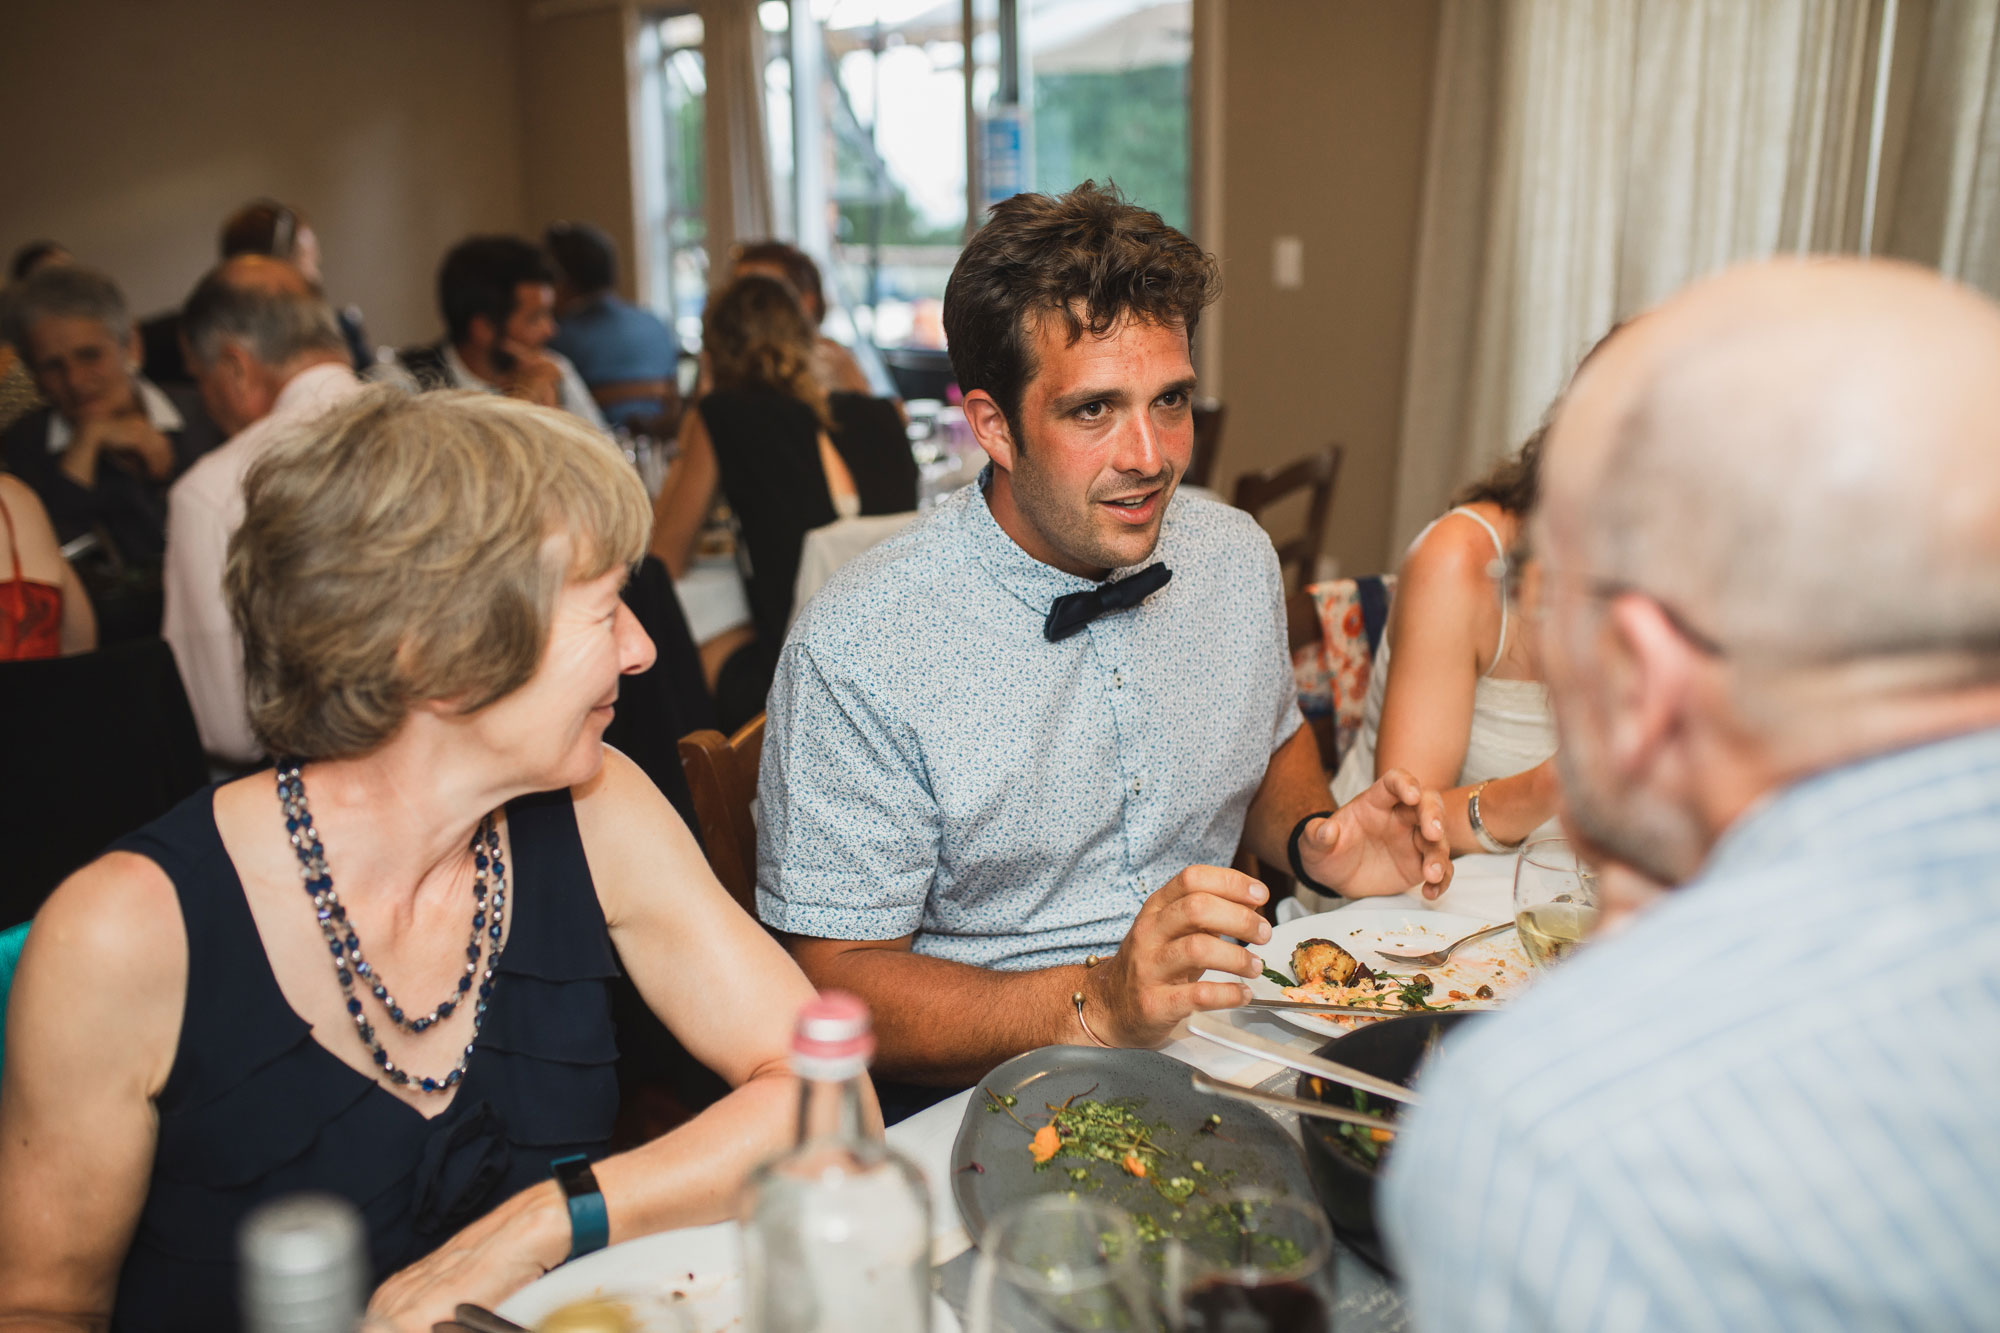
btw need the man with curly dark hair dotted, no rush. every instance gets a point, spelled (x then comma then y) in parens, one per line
(1011, 752)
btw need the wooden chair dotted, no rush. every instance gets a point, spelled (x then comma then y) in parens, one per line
(1301, 630)
(722, 778)
(1208, 417)
(1316, 473)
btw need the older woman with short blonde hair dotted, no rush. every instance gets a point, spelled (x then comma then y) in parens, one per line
(381, 968)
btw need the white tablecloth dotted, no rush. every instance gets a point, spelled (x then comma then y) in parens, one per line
(1483, 887)
(712, 597)
(828, 548)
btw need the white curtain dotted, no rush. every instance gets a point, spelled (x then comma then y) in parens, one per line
(1588, 157)
(737, 174)
(1945, 210)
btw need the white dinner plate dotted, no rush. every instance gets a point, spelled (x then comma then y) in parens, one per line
(688, 1281)
(1497, 961)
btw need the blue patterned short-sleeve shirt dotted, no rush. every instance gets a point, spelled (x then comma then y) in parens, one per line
(933, 766)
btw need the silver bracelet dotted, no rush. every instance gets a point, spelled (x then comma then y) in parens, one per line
(1480, 832)
(1077, 1000)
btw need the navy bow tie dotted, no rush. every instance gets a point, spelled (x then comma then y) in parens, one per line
(1073, 611)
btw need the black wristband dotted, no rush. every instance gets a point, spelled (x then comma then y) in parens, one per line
(1292, 853)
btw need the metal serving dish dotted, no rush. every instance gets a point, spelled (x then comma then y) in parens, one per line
(1343, 1181)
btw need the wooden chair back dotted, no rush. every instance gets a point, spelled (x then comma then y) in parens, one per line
(722, 778)
(1317, 473)
(1208, 417)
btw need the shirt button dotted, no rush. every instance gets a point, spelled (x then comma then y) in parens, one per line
(1135, 786)
(1118, 679)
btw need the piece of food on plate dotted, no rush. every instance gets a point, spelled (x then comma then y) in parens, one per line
(591, 1316)
(1326, 963)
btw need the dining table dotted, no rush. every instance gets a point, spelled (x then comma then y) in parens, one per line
(1368, 1301)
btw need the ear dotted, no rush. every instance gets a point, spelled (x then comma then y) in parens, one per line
(1650, 673)
(479, 332)
(989, 427)
(242, 366)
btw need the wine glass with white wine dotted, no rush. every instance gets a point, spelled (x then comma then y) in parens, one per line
(1555, 900)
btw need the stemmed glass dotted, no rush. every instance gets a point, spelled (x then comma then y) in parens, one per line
(1053, 1262)
(1253, 1262)
(1555, 900)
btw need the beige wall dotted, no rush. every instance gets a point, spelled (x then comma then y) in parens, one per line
(576, 136)
(136, 127)
(1326, 107)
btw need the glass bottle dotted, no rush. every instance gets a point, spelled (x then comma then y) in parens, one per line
(836, 1232)
(304, 1266)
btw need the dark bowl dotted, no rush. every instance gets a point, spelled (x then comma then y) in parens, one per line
(1344, 1182)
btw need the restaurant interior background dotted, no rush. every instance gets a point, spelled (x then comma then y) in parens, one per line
(1424, 209)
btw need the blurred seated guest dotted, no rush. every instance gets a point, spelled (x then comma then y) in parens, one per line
(261, 227)
(267, 227)
(103, 454)
(760, 437)
(833, 364)
(35, 256)
(1000, 788)
(871, 433)
(18, 394)
(428, 592)
(44, 611)
(498, 298)
(269, 358)
(626, 355)
(1769, 524)
(1456, 698)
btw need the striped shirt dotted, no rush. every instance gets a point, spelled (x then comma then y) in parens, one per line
(1773, 1103)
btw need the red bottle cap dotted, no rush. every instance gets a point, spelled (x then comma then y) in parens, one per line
(834, 1027)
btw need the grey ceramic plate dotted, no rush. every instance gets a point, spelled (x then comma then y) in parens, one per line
(1249, 1149)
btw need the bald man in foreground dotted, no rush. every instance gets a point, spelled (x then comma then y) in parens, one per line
(1771, 537)
(269, 356)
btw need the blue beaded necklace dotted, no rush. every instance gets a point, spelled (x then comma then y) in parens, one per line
(353, 969)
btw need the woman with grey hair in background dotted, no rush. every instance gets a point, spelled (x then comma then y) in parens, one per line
(103, 453)
(381, 969)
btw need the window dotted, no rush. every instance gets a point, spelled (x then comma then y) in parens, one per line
(873, 171)
(1108, 88)
(671, 95)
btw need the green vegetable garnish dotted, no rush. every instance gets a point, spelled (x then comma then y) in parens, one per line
(1272, 974)
(1360, 1140)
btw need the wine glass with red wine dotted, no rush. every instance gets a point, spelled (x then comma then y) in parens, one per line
(1253, 1262)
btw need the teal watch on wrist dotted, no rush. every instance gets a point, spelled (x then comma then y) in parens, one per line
(589, 1223)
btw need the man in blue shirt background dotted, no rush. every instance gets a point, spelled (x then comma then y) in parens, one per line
(1000, 789)
(627, 356)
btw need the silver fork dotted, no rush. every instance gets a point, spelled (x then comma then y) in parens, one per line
(1437, 956)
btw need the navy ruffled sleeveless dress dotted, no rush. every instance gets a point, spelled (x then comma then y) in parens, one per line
(254, 1108)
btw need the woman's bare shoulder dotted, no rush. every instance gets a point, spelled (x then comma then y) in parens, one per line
(13, 490)
(642, 856)
(118, 916)
(1456, 554)
(107, 957)
(621, 811)
(34, 535)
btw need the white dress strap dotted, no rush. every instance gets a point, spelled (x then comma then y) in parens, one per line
(1500, 553)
